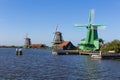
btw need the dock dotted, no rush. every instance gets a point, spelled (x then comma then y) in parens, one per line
(88, 53)
(110, 56)
(95, 55)
(65, 52)
(72, 52)
(106, 56)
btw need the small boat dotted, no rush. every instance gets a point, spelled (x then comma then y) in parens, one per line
(59, 52)
(96, 56)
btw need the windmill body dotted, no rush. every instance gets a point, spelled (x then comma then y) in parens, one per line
(91, 41)
(57, 37)
(27, 42)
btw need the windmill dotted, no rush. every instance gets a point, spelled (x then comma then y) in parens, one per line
(57, 37)
(27, 41)
(91, 41)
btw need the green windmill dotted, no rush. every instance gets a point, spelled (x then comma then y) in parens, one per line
(91, 41)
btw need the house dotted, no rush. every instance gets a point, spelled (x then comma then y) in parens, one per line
(37, 45)
(66, 45)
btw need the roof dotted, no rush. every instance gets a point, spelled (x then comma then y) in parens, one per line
(64, 43)
(37, 45)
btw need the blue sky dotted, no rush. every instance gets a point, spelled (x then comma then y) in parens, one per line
(39, 18)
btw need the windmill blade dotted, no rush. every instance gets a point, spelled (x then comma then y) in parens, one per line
(26, 35)
(102, 28)
(53, 37)
(91, 16)
(80, 25)
(55, 32)
(98, 25)
(56, 28)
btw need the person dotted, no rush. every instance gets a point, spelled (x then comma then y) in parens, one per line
(20, 51)
(16, 51)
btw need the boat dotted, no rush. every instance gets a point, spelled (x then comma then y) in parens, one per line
(59, 52)
(96, 56)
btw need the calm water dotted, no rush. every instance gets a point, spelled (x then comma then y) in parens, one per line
(37, 64)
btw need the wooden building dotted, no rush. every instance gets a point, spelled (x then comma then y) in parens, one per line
(66, 45)
(37, 45)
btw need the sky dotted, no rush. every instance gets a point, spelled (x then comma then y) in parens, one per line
(39, 19)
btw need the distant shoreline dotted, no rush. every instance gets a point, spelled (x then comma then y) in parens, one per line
(48, 48)
(10, 46)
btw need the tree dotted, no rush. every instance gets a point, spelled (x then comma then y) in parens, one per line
(111, 46)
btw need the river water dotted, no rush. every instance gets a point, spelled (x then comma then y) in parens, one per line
(38, 64)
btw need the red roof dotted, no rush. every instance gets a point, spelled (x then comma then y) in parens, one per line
(63, 43)
(37, 45)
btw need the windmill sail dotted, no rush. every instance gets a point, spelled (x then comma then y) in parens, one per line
(55, 32)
